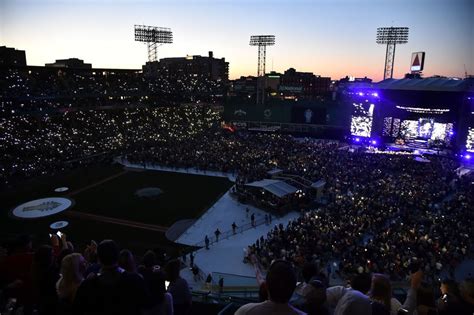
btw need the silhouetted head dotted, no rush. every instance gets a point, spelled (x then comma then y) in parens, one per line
(362, 282)
(108, 253)
(281, 281)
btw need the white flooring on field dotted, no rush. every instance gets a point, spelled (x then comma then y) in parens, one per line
(225, 256)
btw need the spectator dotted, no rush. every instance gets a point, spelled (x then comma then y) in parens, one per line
(208, 282)
(467, 294)
(206, 241)
(148, 267)
(127, 261)
(280, 282)
(217, 233)
(309, 271)
(426, 304)
(315, 298)
(73, 267)
(15, 272)
(381, 292)
(113, 290)
(163, 301)
(221, 285)
(45, 275)
(178, 288)
(450, 300)
(351, 300)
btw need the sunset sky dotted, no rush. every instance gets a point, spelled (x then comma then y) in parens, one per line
(328, 37)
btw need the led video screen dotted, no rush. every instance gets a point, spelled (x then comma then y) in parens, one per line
(362, 119)
(470, 140)
(361, 126)
(423, 128)
(409, 129)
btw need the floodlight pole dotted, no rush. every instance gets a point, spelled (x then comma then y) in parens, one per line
(154, 37)
(389, 61)
(152, 51)
(262, 41)
(391, 36)
(262, 54)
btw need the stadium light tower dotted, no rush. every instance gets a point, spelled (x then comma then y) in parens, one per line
(153, 37)
(262, 41)
(391, 36)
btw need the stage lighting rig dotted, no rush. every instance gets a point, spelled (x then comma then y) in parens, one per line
(154, 37)
(391, 36)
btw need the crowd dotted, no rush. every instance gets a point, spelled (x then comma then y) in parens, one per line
(383, 221)
(47, 89)
(32, 145)
(376, 203)
(366, 294)
(57, 279)
(385, 213)
(103, 279)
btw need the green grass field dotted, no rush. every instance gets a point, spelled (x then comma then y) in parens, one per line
(184, 197)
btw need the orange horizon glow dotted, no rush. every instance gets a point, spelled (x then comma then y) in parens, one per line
(331, 38)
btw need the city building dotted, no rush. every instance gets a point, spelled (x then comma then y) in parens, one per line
(206, 67)
(11, 57)
(244, 87)
(295, 84)
(73, 63)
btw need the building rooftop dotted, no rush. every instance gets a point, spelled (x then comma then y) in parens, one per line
(428, 84)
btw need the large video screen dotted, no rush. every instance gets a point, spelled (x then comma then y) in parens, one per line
(470, 140)
(441, 131)
(361, 126)
(409, 129)
(424, 128)
(362, 119)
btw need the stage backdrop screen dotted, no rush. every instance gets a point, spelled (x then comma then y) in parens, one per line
(470, 140)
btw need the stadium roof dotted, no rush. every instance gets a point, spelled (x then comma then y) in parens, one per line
(277, 187)
(428, 84)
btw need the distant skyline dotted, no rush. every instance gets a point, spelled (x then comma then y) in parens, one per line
(328, 37)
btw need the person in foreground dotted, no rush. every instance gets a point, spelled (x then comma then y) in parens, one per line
(281, 282)
(113, 290)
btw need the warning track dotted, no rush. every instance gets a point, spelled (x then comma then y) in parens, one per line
(128, 223)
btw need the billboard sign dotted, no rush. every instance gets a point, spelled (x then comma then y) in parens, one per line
(417, 61)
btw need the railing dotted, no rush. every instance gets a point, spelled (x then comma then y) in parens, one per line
(239, 229)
